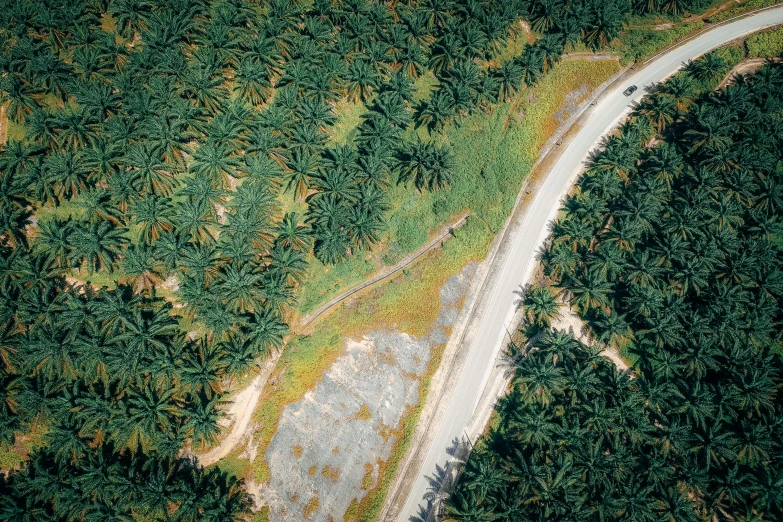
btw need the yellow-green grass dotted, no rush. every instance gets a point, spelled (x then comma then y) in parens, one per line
(13, 455)
(14, 131)
(425, 84)
(9, 457)
(493, 154)
(233, 465)
(515, 45)
(262, 515)
(349, 116)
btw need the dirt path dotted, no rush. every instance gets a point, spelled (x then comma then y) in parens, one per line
(570, 320)
(713, 11)
(308, 320)
(590, 57)
(244, 403)
(747, 66)
(3, 124)
(240, 412)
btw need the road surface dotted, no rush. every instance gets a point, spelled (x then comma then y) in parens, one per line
(530, 235)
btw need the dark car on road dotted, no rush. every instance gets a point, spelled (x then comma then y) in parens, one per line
(630, 90)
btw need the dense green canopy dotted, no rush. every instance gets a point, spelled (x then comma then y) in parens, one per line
(670, 248)
(147, 249)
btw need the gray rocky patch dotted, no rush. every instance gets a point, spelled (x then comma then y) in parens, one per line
(572, 100)
(344, 427)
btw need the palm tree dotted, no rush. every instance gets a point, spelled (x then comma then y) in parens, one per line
(195, 219)
(287, 263)
(240, 287)
(364, 226)
(98, 246)
(540, 306)
(96, 204)
(428, 165)
(606, 23)
(361, 79)
(549, 48)
(665, 164)
(76, 128)
(151, 413)
(509, 77)
(445, 51)
(130, 15)
(202, 423)
(141, 268)
(202, 369)
(532, 64)
(710, 67)
(214, 162)
(19, 96)
(204, 87)
(589, 292)
(170, 135)
(265, 331)
(303, 168)
(331, 244)
(50, 74)
(153, 215)
(293, 235)
(660, 109)
(149, 173)
(68, 171)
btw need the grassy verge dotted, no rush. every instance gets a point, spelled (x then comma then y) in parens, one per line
(641, 41)
(494, 154)
(742, 6)
(767, 44)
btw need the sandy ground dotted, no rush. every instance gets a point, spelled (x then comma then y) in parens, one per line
(3, 125)
(239, 413)
(747, 66)
(329, 445)
(569, 320)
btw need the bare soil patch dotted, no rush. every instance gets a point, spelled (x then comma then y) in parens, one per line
(345, 428)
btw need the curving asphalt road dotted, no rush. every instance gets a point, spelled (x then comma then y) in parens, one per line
(530, 235)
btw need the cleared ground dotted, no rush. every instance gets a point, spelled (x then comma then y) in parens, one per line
(330, 445)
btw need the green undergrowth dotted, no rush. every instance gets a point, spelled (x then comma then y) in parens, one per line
(349, 116)
(766, 44)
(638, 43)
(742, 6)
(233, 465)
(12, 455)
(493, 154)
(9, 457)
